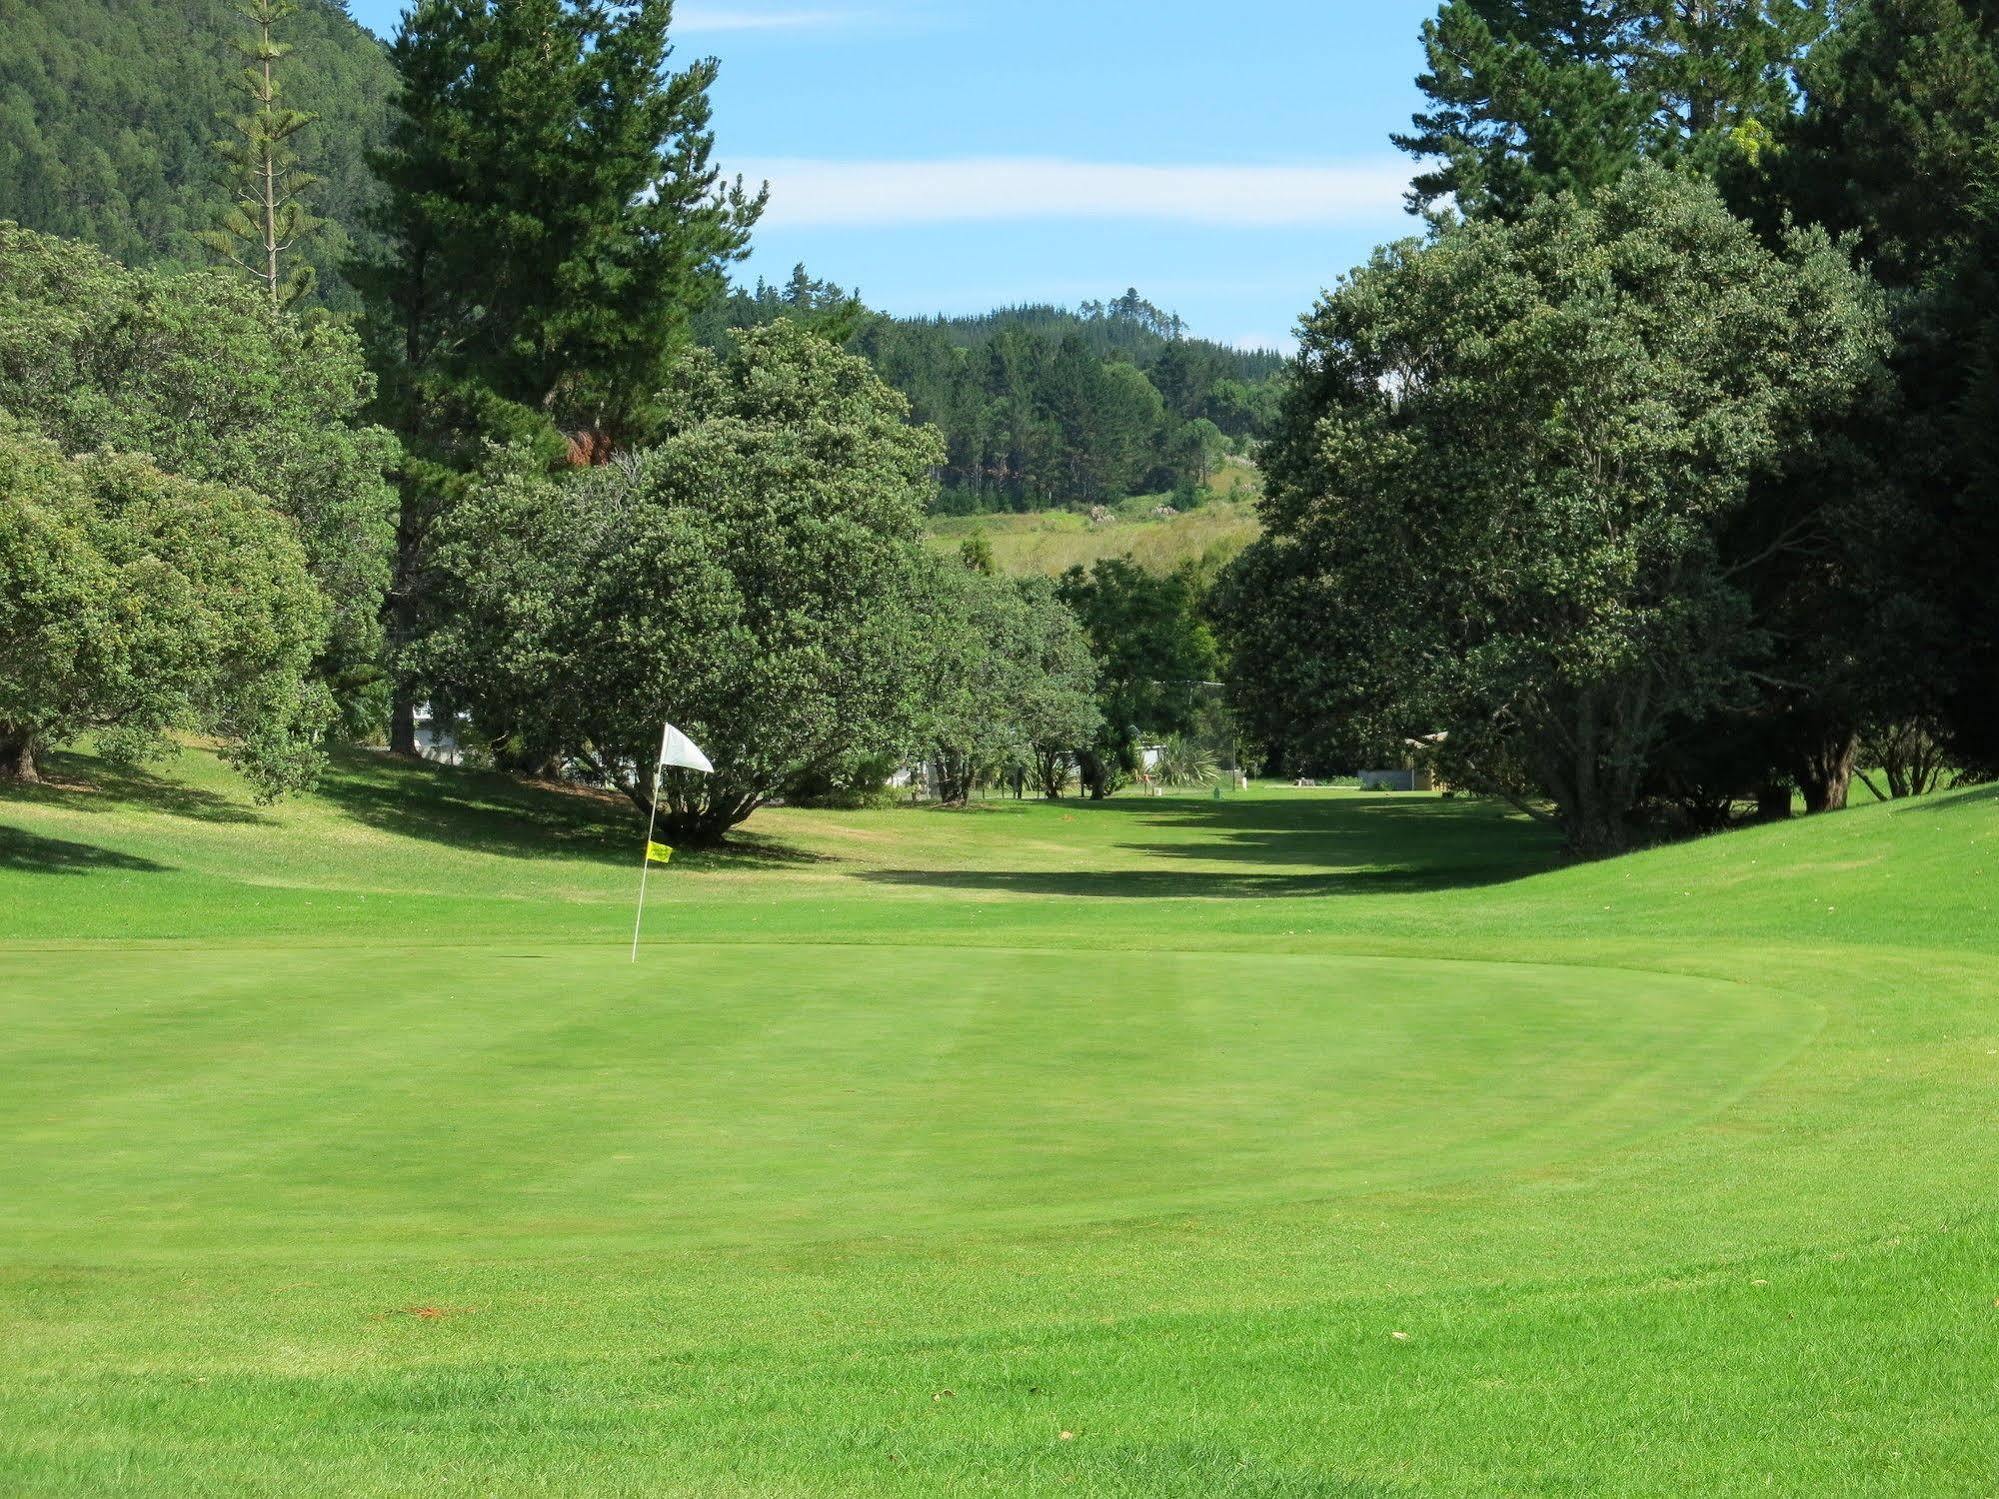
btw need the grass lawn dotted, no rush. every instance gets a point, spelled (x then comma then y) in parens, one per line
(1307, 1143)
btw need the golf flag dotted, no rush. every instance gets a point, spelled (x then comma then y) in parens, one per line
(678, 752)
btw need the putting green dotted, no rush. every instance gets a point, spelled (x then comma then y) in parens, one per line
(268, 1102)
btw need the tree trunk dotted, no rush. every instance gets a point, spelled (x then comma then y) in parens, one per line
(1827, 773)
(704, 826)
(402, 612)
(954, 778)
(17, 757)
(1595, 831)
(1095, 774)
(1773, 802)
(402, 722)
(1051, 772)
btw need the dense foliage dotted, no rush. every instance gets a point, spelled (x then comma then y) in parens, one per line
(756, 575)
(110, 111)
(1651, 524)
(1513, 454)
(1897, 145)
(198, 372)
(1533, 96)
(1012, 682)
(134, 603)
(1040, 407)
(1156, 661)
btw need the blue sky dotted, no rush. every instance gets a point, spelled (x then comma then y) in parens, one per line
(954, 155)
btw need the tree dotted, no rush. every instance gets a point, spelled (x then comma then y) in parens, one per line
(1155, 655)
(267, 217)
(1013, 682)
(1506, 460)
(1895, 140)
(1541, 96)
(134, 604)
(980, 673)
(1313, 709)
(1721, 74)
(199, 373)
(550, 223)
(1966, 299)
(757, 575)
(976, 552)
(552, 217)
(1529, 98)
(1898, 146)
(1057, 711)
(1197, 450)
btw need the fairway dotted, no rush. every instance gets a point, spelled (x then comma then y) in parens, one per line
(1301, 1144)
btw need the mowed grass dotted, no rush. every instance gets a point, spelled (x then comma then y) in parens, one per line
(1306, 1143)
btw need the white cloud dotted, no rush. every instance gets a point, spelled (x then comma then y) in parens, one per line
(807, 191)
(694, 19)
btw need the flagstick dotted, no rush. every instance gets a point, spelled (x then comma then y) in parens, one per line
(645, 864)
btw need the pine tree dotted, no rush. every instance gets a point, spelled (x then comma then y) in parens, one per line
(1541, 96)
(552, 217)
(1721, 73)
(550, 225)
(267, 218)
(1897, 137)
(1530, 99)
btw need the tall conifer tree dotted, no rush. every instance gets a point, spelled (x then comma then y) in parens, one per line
(267, 218)
(1538, 96)
(1529, 98)
(551, 222)
(552, 216)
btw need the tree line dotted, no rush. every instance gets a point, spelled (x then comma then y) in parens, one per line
(1654, 483)
(1650, 487)
(112, 118)
(519, 487)
(1042, 407)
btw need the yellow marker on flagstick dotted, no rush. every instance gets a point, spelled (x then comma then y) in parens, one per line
(659, 853)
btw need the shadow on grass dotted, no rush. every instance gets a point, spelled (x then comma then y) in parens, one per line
(490, 813)
(34, 854)
(1285, 848)
(755, 851)
(84, 783)
(1186, 885)
(1968, 798)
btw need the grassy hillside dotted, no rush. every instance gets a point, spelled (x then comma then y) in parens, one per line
(1298, 1144)
(1051, 542)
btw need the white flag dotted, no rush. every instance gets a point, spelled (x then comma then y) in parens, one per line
(680, 752)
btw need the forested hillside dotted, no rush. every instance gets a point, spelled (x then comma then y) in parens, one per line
(1043, 407)
(109, 111)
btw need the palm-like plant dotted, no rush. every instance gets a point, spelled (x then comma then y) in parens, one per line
(1186, 762)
